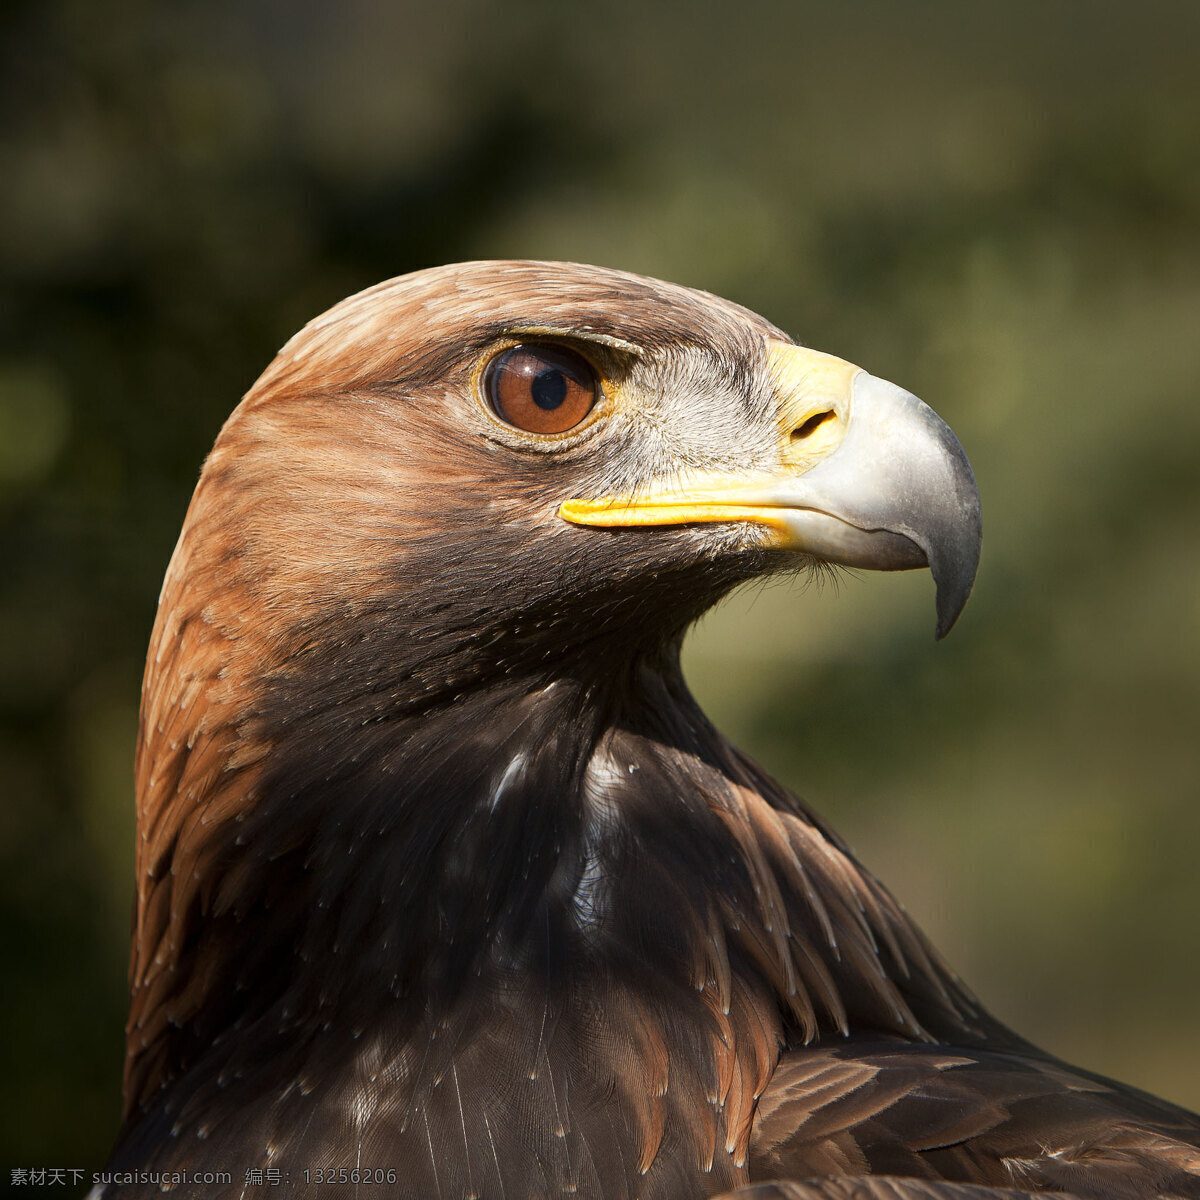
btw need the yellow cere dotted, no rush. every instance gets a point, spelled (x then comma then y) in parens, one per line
(813, 391)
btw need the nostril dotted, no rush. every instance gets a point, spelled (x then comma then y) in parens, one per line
(812, 425)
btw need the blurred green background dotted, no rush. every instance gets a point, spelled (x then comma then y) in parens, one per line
(996, 204)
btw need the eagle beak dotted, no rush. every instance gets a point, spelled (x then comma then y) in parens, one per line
(869, 476)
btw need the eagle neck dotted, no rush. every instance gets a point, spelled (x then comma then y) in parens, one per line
(551, 827)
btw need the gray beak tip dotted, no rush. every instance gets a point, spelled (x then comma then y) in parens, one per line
(947, 614)
(954, 564)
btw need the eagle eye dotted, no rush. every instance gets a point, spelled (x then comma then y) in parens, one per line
(541, 388)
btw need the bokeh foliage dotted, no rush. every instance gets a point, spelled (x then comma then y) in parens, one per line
(995, 204)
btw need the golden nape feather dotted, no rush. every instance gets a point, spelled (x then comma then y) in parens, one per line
(447, 887)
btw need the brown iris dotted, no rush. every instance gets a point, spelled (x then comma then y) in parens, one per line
(540, 388)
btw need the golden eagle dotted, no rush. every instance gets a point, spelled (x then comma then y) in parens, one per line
(447, 887)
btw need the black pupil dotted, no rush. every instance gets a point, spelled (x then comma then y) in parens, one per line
(549, 389)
